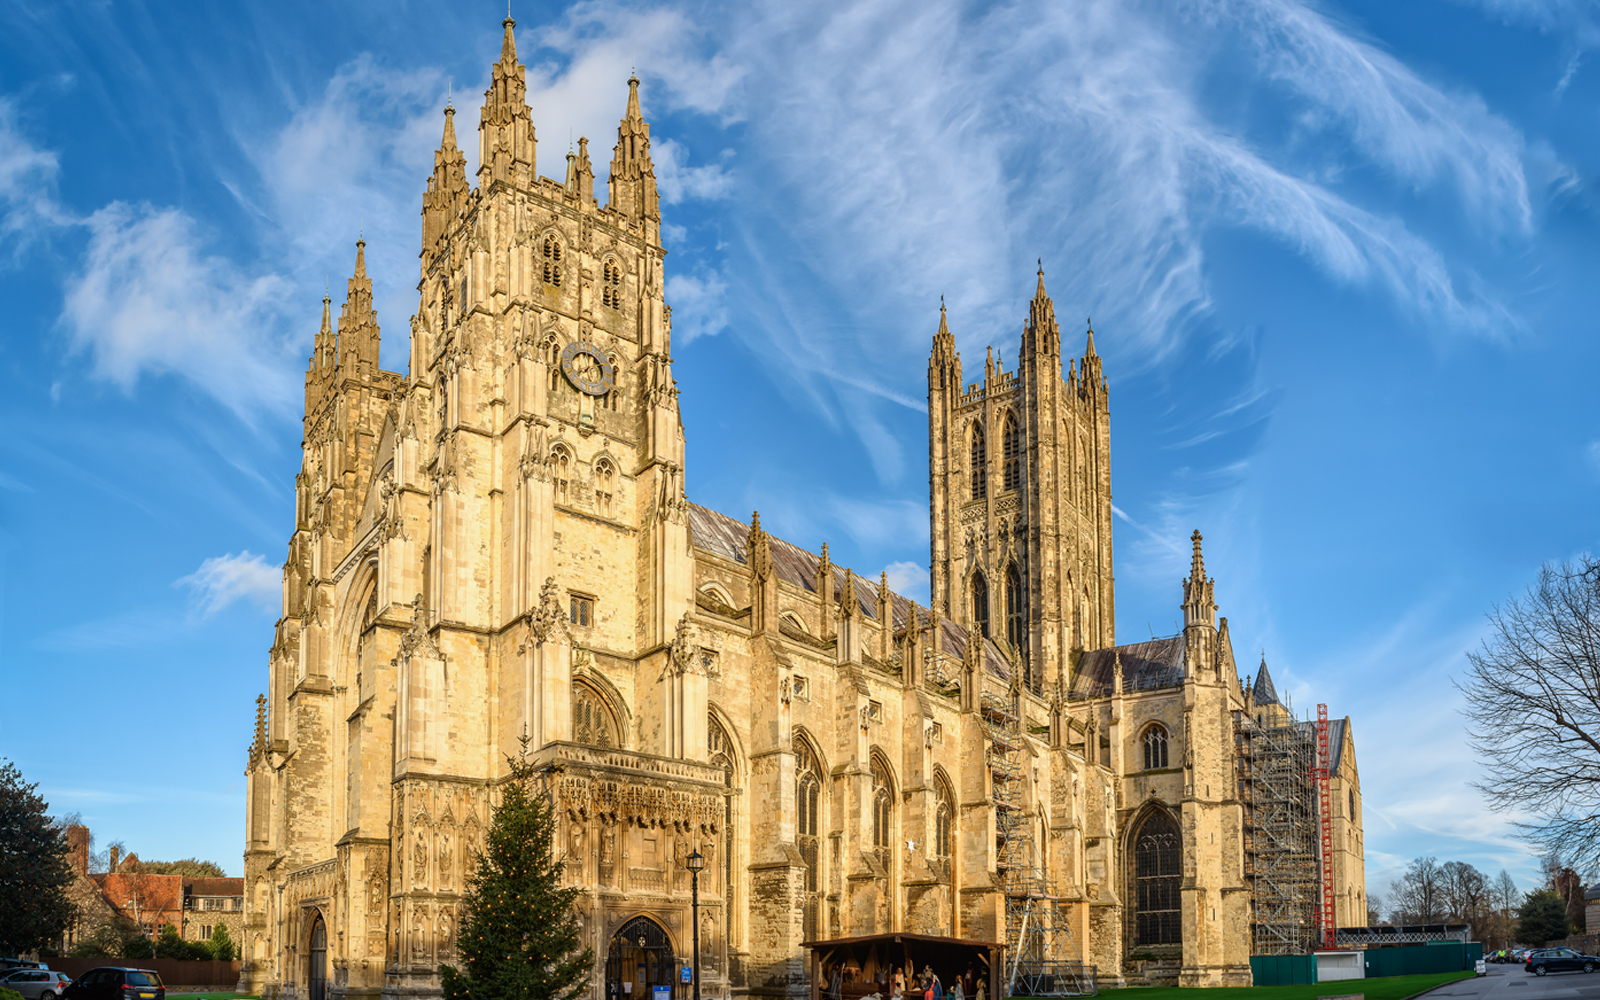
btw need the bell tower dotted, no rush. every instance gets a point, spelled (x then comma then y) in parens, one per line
(1020, 496)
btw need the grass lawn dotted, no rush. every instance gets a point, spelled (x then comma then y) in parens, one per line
(1389, 988)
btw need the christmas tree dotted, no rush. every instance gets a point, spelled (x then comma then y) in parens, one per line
(519, 933)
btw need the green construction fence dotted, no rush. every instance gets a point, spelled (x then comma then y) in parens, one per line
(1416, 960)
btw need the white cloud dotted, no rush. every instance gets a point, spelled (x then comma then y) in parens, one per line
(909, 579)
(147, 300)
(27, 183)
(699, 306)
(678, 181)
(222, 580)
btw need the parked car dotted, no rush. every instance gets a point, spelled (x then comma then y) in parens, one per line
(111, 983)
(1543, 960)
(37, 984)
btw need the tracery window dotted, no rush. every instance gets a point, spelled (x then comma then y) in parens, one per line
(605, 485)
(561, 472)
(1011, 453)
(808, 798)
(980, 604)
(611, 285)
(980, 463)
(882, 810)
(552, 260)
(553, 364)
(1157, 876)
(1017, 618)
(591, 719)
(1155, 747)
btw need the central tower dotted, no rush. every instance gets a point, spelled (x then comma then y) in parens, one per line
(1020, 492)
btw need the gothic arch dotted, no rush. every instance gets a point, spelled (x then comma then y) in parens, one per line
(563, 467)
(978, 602)
(811, 806)
(631, 915)
(551, 251)
(607, 692)
(611, 277)
(1153, 865)
(945, 813)
(593, 721)
(1011, 451)
(978, 458)
(1154, 744)
(1016, 610)
(717, 592)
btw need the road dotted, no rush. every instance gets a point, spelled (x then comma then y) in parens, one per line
(1509, 982)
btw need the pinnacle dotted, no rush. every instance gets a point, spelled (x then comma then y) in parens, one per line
(361, 258)
(1039, 293)
(508, 47)
(1089, 351)
(1197, 568)
(634, 114)
(944, 325)
(449, 141)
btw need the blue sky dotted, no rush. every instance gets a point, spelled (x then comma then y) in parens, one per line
(1339, 260)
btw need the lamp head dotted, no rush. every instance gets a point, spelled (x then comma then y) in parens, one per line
(695, 862)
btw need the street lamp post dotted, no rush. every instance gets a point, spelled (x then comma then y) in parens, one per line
(696, 863)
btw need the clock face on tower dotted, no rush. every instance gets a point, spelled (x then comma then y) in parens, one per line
(587, 369)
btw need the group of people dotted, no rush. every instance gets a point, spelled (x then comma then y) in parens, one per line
(928, 985)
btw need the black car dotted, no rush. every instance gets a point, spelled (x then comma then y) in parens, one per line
(111, 983)
(1545, 960)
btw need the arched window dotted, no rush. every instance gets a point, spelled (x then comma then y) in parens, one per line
(944, 819)
(1011, 453)
(980, 604)
(980, 463)
(1155, 747)
(882, 810)
(605, 485)
(591, 719)
(561, 473)
(552, 260)
(1017, 617)
(1157, 877)
(808, 800)
(720, 754)
(611, 285)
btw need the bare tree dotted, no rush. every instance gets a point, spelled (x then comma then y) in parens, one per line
(1533, 705)
(1505, 898)
(1374, 909)
(1417, 896)
(1465, 892)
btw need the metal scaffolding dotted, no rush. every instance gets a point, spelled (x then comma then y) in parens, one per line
(1042, 957)
(1277, 784)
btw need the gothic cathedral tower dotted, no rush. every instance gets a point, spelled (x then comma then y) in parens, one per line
(1020, 489)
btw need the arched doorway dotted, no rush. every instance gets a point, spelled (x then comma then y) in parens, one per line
(317, 961)
(638, 960)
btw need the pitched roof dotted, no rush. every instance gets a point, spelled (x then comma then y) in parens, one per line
(725, 536)
(1146, 666)
(214, 886)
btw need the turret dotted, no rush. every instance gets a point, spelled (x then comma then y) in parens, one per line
(447, 188)
(633, 176)
(507, 148)
(1198, 606)
(358, 321)
(1042, 335)
(320, 367)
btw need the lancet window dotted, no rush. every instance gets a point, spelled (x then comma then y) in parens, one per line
(1011, 453)
(591, 719)
(720, 754)
(882, 810)
(561, 472)
(605, 486)
(944, 819)
(808, 800)
(1155, 747)
(1017, 615)
(611, 285)
(552, 260)
(980, 604)
(980, 463)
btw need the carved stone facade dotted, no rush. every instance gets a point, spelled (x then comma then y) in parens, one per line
(497, 548)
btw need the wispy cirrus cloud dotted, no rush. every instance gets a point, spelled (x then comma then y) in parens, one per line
(222, 580)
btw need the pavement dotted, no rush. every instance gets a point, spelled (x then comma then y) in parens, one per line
(1510, 982)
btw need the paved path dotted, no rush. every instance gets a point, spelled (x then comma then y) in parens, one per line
(1510, 982)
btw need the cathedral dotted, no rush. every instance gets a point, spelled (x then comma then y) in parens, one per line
(494, 554)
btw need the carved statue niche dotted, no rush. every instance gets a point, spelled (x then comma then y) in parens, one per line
(446, 852)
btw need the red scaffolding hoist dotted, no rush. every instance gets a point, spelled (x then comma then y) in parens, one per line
(1325, 820)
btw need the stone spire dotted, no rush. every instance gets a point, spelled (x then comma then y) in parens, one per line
(358, 320)
(1042, 335)
(506, 143)
(1198, 606)
(446, 194)
(944, 365)
(633, 176)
